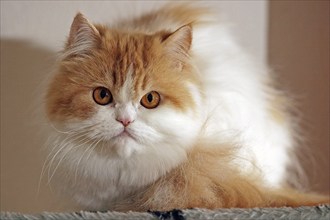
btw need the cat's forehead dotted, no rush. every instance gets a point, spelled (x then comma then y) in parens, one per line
(129, 49)
(129, 56)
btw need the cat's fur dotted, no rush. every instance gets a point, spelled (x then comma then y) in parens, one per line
(220, 137)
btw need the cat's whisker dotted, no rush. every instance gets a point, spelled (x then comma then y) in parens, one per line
(58, 130)
(45, 164)
(56, 144)
(83, 154)
(66, 143)
(146, 135)
(67, 149)
(51, 161)
(72, 136)
(80, 128)
(44, 167)
(91, 149)
(90, 152)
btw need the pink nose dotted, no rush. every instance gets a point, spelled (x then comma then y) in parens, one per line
(125, 122)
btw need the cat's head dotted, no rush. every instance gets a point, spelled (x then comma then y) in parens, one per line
(130, 91)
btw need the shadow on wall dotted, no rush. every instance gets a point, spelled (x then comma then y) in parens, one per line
(24, 69)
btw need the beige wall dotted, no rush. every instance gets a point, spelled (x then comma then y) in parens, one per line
(47, 22)
(31, 32)
(299, 53)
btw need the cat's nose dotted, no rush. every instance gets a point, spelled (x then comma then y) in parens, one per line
(124, 121)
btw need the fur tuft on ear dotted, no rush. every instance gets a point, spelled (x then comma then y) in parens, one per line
(83, 35)
(179, 42)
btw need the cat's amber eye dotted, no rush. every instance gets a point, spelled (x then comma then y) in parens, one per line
(150, 100)
(102, 96)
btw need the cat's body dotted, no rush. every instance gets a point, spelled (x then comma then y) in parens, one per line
(123, 155)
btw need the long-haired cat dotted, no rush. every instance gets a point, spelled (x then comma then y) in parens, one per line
(166, 111)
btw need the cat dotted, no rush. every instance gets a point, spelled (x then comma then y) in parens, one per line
(166, 111)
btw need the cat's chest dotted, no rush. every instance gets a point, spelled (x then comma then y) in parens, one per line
(101, 181)
(99, 184)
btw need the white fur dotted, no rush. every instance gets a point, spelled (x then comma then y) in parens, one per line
(238, 105)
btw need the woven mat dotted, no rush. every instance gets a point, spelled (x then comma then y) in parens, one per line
(319, 212)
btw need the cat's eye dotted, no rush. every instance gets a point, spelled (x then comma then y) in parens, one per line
(102, 96)
(150, 100)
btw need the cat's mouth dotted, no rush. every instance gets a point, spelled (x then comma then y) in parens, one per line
(124, 134)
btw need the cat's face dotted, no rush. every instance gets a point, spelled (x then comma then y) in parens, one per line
(128, 91)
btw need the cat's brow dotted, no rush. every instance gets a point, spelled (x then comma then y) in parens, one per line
(125, 93)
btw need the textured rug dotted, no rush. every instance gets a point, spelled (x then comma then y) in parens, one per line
(321, 212)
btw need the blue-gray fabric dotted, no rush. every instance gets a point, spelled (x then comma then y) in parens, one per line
(321, 212)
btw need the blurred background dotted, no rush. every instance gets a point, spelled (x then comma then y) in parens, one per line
(291, 36)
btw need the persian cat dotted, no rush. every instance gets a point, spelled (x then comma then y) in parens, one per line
(166, 111)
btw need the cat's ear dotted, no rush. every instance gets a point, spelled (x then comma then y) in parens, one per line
(179, 41)
(83, 35)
